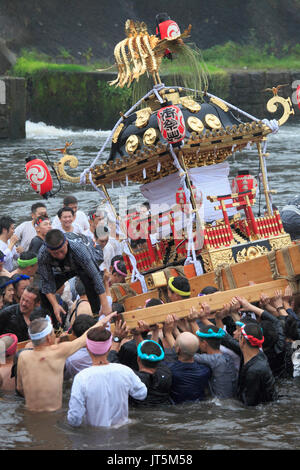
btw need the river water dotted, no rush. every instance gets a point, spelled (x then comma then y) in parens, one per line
(211, 425)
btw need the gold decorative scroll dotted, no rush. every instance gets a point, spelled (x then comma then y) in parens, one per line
(72, 161)
(272, 106)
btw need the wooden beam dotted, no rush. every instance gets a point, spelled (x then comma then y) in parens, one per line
(181, 308)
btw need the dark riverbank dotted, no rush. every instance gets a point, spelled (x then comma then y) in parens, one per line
(85, 100)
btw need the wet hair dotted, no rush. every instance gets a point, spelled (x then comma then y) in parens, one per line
(17, 278)
(5, 222)
(54, 237)
(255, 330)
(36, 206)
(214, 343)
(269, 332)
(290, 328)
(70, 200)
(116, 258)
(117, 307)
(128, 355)
(64, 209)
(208, 290)
(82, 323)
(25, 255)
(34, 290)
(3, 280)
(181, 283)
(248, 319)
(98, 334)
(297, 304)
(152, 302)
(229, 322)
(40, 219)
(37, 312)
(121, 267)
(150, 348)
(79, 287)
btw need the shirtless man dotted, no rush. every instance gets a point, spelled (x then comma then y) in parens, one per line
(8, 347)
(40, 371)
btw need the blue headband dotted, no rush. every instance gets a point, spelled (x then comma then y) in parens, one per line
(150, 357)
(211, 334)
(56, 247)
(21, 277)
(239, 323)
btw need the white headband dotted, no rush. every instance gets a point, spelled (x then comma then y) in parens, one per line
(42, 334)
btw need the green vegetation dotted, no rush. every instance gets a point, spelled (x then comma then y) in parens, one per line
(217, 59)
(68, 95)
(253, 56)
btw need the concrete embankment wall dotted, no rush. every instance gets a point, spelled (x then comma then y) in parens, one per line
(85, 100)
(12, 108)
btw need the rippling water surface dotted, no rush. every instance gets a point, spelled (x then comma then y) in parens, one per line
(211, 425)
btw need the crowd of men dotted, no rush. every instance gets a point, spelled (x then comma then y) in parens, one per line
(55, 295)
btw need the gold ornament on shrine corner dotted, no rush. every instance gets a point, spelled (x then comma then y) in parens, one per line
(72, 162)
(272, 106)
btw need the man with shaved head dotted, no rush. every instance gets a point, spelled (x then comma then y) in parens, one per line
(189, 379)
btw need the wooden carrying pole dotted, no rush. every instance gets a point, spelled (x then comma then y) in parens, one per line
(216, 301)
(181, 308)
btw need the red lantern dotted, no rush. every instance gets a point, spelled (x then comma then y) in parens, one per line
(168, 30)
(39, 176)
(171, 124)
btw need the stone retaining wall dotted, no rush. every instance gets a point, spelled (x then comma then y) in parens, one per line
(12, 108)
(85, 100)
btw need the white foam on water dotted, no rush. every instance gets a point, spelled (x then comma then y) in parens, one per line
(40, 130)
